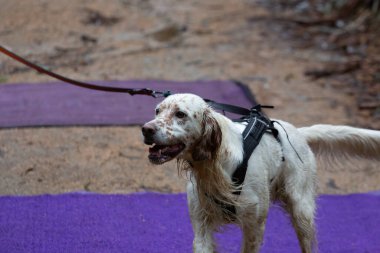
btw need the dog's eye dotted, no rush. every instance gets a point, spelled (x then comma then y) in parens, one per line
(180, 114)
(157, 111)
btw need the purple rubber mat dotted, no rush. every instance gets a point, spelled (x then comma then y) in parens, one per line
(61, 104)
(152, 222)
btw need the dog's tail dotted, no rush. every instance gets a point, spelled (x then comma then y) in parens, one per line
(337, 141)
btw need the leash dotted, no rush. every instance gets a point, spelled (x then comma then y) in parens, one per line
(244, 112)
(131, 91)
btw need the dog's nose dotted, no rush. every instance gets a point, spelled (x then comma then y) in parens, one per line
(148, 130)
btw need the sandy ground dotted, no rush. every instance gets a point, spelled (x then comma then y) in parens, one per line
(160, 39)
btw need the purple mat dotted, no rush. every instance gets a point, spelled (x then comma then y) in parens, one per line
(60, 104)
(151, 222)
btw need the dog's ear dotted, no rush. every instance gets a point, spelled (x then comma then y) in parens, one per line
(208, 145)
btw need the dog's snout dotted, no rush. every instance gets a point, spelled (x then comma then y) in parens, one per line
(148, 130)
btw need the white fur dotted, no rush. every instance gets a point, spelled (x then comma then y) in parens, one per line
(292, 181)
(336, 141)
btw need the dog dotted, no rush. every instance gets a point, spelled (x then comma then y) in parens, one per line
(210, 147)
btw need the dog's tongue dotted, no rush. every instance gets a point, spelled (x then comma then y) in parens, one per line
(157, 150)
(159, 154)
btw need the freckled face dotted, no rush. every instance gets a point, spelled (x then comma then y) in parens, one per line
(177, 120)
(177, 126)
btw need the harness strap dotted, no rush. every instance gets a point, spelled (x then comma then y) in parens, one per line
(251, 138)
(237, 109)
(229, 108)
(252, 135)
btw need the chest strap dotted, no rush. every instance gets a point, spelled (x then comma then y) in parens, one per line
(258, 125)
(251, 139)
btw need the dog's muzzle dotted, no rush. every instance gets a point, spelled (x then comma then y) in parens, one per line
(161, 152)
(148, 131)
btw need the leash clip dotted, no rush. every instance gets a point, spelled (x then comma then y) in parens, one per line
(163, 94)
(150, 92)
(258, 107)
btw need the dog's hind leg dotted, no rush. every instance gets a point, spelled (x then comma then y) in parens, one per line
(203, 238)
(297, 186)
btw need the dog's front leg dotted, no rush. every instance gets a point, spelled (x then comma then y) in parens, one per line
(253, 219)
(203, 238)
(203, 234)
(253, 233)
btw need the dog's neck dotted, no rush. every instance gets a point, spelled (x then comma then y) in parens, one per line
(231, 149)
(213, 177)
(230, 153)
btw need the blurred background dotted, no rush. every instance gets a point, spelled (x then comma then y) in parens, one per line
(315, 61)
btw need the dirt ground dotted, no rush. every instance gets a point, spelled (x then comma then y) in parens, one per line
(156, 39)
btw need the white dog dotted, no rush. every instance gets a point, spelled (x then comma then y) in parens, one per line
(210, 147)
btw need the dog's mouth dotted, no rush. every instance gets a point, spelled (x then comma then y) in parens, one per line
(159, 154)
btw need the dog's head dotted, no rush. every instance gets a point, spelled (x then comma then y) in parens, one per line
(185, 128)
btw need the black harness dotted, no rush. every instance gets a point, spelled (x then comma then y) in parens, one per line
(257, 125)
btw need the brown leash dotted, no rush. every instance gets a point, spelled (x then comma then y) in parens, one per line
(131, 91)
